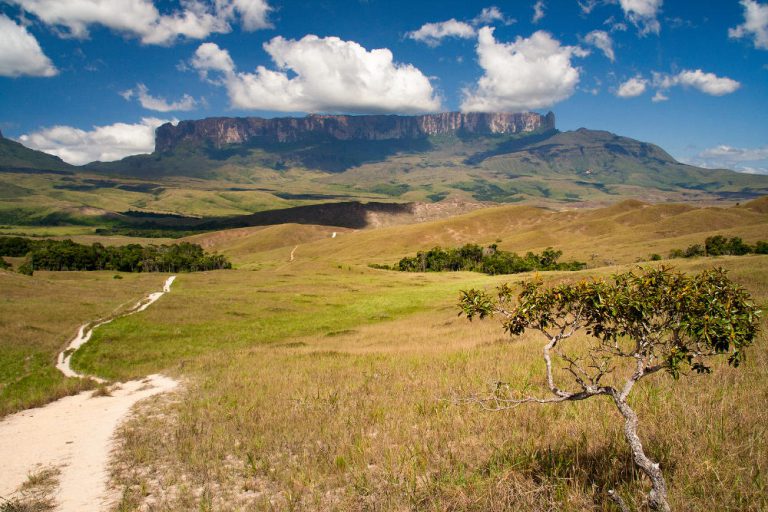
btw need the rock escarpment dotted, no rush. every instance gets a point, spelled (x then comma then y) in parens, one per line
(222, 131)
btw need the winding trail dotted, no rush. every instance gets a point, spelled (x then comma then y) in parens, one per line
(75, 433)
(293, 251)
(86, 331)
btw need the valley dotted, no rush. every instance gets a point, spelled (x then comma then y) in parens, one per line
(311, 378)
(318, 382)
(366, 256)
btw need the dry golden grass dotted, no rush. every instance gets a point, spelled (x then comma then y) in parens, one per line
(362, 419)
(623, 233)
(322, 384)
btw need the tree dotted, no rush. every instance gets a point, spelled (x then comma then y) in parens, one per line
(638, 324)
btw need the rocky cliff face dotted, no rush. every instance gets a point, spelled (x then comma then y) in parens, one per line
(221, 131)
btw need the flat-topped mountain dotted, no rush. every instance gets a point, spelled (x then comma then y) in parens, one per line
(222, 131)
(220, 172)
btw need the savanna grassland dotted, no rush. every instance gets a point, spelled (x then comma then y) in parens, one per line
(314, 382)
(38, 317)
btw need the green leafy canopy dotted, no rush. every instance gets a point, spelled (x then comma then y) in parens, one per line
(672, 320)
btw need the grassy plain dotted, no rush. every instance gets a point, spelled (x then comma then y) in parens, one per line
(339, 409)
(39, 315)
(322, 384)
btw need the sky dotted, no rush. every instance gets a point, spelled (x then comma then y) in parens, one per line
(91, 79)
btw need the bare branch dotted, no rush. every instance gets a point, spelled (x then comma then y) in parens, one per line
(498, 403)
(618, 500)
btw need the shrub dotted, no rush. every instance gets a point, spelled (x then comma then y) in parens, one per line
(639, 324)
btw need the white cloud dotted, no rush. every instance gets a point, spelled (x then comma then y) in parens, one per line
(534, 72)
(254, 14)
(197, 19)
(490, 15)
(632, 87)
(601, 40)
(642, 13)
(158, 104)
(708, 83)
(538, 11)
(432, 34)
(20, 53)
(749, 160)
(209, 57)
(755, 24)
(587, 5)
(104, 143)
(317, 74)
(615, 26)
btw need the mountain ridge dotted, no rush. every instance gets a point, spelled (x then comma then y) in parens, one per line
(222, 131)
(230, 185)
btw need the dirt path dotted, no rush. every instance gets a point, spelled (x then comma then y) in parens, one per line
(86, 331)
(74, 434)
(293, 251)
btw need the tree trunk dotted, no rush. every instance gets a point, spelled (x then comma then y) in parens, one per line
(657, 498)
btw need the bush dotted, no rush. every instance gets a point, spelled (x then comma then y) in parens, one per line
(491, 260)
(15, 246)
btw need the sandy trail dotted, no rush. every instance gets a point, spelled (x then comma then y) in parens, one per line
(86, 331)
(75, 432)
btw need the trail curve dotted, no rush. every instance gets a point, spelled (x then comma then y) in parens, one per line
(75, 434)
(64, 360)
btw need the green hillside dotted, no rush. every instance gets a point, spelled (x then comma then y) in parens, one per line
(551, 166)
(16, 156)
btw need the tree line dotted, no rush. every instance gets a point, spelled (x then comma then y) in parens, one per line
(719, 245)
(490, 260)
(68, 255)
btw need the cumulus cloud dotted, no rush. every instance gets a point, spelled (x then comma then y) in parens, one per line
(601, 40)
(491, 15)
(317, 74)
(209, 57)
(749, 160)
(20, 53)
(196, 19)
(530, 73)
(149, 102)
(104, 143)
(632, 88)
(708, 83)
(538, 11)
(755, 24)
(432, 34)
(643, 14)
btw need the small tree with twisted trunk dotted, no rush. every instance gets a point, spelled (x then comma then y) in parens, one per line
(638, 323)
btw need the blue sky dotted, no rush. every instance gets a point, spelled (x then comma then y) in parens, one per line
(89, 79)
